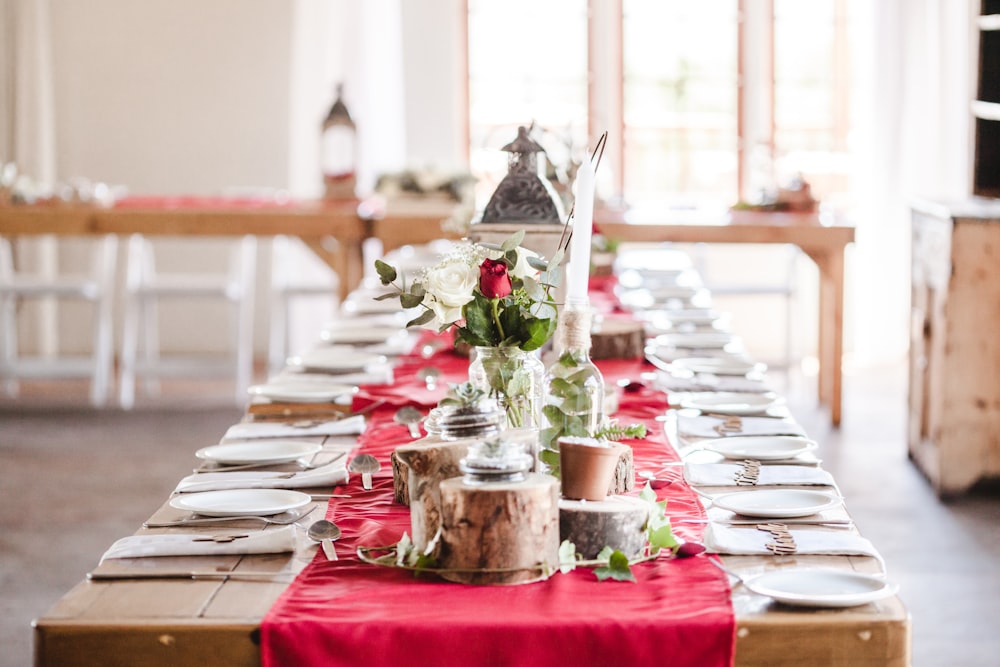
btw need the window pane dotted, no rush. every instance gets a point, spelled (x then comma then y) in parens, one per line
(680, 100)
(812, 43)
(527, 63)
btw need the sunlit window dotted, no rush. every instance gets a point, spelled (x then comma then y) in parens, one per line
(527, 65)
(686, 130)
(680, 99)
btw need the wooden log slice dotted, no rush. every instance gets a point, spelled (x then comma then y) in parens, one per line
(617, 339)
(624, 479)
(510, 526)
(400, 480)
(428, 463)
(618, 522)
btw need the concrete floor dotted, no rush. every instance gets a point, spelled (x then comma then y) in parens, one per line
(74, 479)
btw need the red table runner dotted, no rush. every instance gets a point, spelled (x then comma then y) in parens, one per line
(350, 613)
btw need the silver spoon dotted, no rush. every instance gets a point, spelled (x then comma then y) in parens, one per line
(325, 532)
(409, 417)
(366, 464)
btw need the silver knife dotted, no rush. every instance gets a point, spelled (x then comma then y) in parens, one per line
(193, 574)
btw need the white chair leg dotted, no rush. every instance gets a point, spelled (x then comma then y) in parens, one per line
(8, 313)
(104, 322)
(245, 311)
(130, 324)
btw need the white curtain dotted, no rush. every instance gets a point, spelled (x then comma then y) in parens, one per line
(27, 115)
(913, 141)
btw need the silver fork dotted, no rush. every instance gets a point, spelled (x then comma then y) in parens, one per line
(275, 520)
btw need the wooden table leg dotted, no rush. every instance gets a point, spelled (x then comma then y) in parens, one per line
(343, 256)
(831, 327)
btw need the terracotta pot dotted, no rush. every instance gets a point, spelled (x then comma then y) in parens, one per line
(587, 467)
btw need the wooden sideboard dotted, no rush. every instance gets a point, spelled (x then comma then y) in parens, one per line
(954, 392)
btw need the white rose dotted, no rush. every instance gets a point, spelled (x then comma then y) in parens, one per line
(449, 285)
(443, 314)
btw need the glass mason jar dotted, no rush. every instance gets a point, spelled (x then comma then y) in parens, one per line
(574, 388)
(514, 378)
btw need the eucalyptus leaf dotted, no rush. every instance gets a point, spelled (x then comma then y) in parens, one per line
(411, 300)
(386, 272)
(421, 319)
(538, 263)
(513, 241)
(557, 258)
(387, 295)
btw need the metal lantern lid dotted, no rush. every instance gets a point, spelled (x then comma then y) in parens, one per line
(496, 460)
(469, 413)
(523, 195)
(339, 115)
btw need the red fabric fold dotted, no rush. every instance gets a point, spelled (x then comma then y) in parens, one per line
(349, 613)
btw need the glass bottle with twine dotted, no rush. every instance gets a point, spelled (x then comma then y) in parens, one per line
(574, 386)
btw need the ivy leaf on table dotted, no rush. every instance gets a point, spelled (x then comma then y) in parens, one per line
(617, 567)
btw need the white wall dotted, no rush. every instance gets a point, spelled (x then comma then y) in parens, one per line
(189, 97)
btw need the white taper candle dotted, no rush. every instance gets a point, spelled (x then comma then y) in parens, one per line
(578, 272)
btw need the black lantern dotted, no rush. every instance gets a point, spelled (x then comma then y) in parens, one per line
(338, 151)
(523, 196)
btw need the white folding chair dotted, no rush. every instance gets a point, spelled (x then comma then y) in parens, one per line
(293, 281)
(96, 288)
(146, 288)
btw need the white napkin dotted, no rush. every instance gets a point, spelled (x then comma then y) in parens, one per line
(273, 540)
(254, 430)
(751, 541)
(331, 474)
(702, 426)
(724, 474)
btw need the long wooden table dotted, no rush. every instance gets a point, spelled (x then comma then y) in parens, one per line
(331, 229)
(336, 230)
(825, 244)
(178, 622)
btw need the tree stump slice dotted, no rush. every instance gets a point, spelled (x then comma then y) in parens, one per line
(624, 479)
(427, 465)
(617, 339)
(618, 522)
(400, 480)
(509, 526)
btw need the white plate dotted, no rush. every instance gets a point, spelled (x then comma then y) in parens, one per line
(267, 451)
(241, 502)
(760, 447)
(698, 339)
(365, 336)
(336, 360)
(821, 587)
(732, 403)
(776, 503)
(717, 365)
(305, 392)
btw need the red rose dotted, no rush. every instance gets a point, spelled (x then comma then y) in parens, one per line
(494, 282)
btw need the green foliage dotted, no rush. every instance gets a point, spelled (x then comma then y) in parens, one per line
(386, 272)
(614, 431)
(567, 556)
(659, 533)
(526, 318)
(617, 568)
